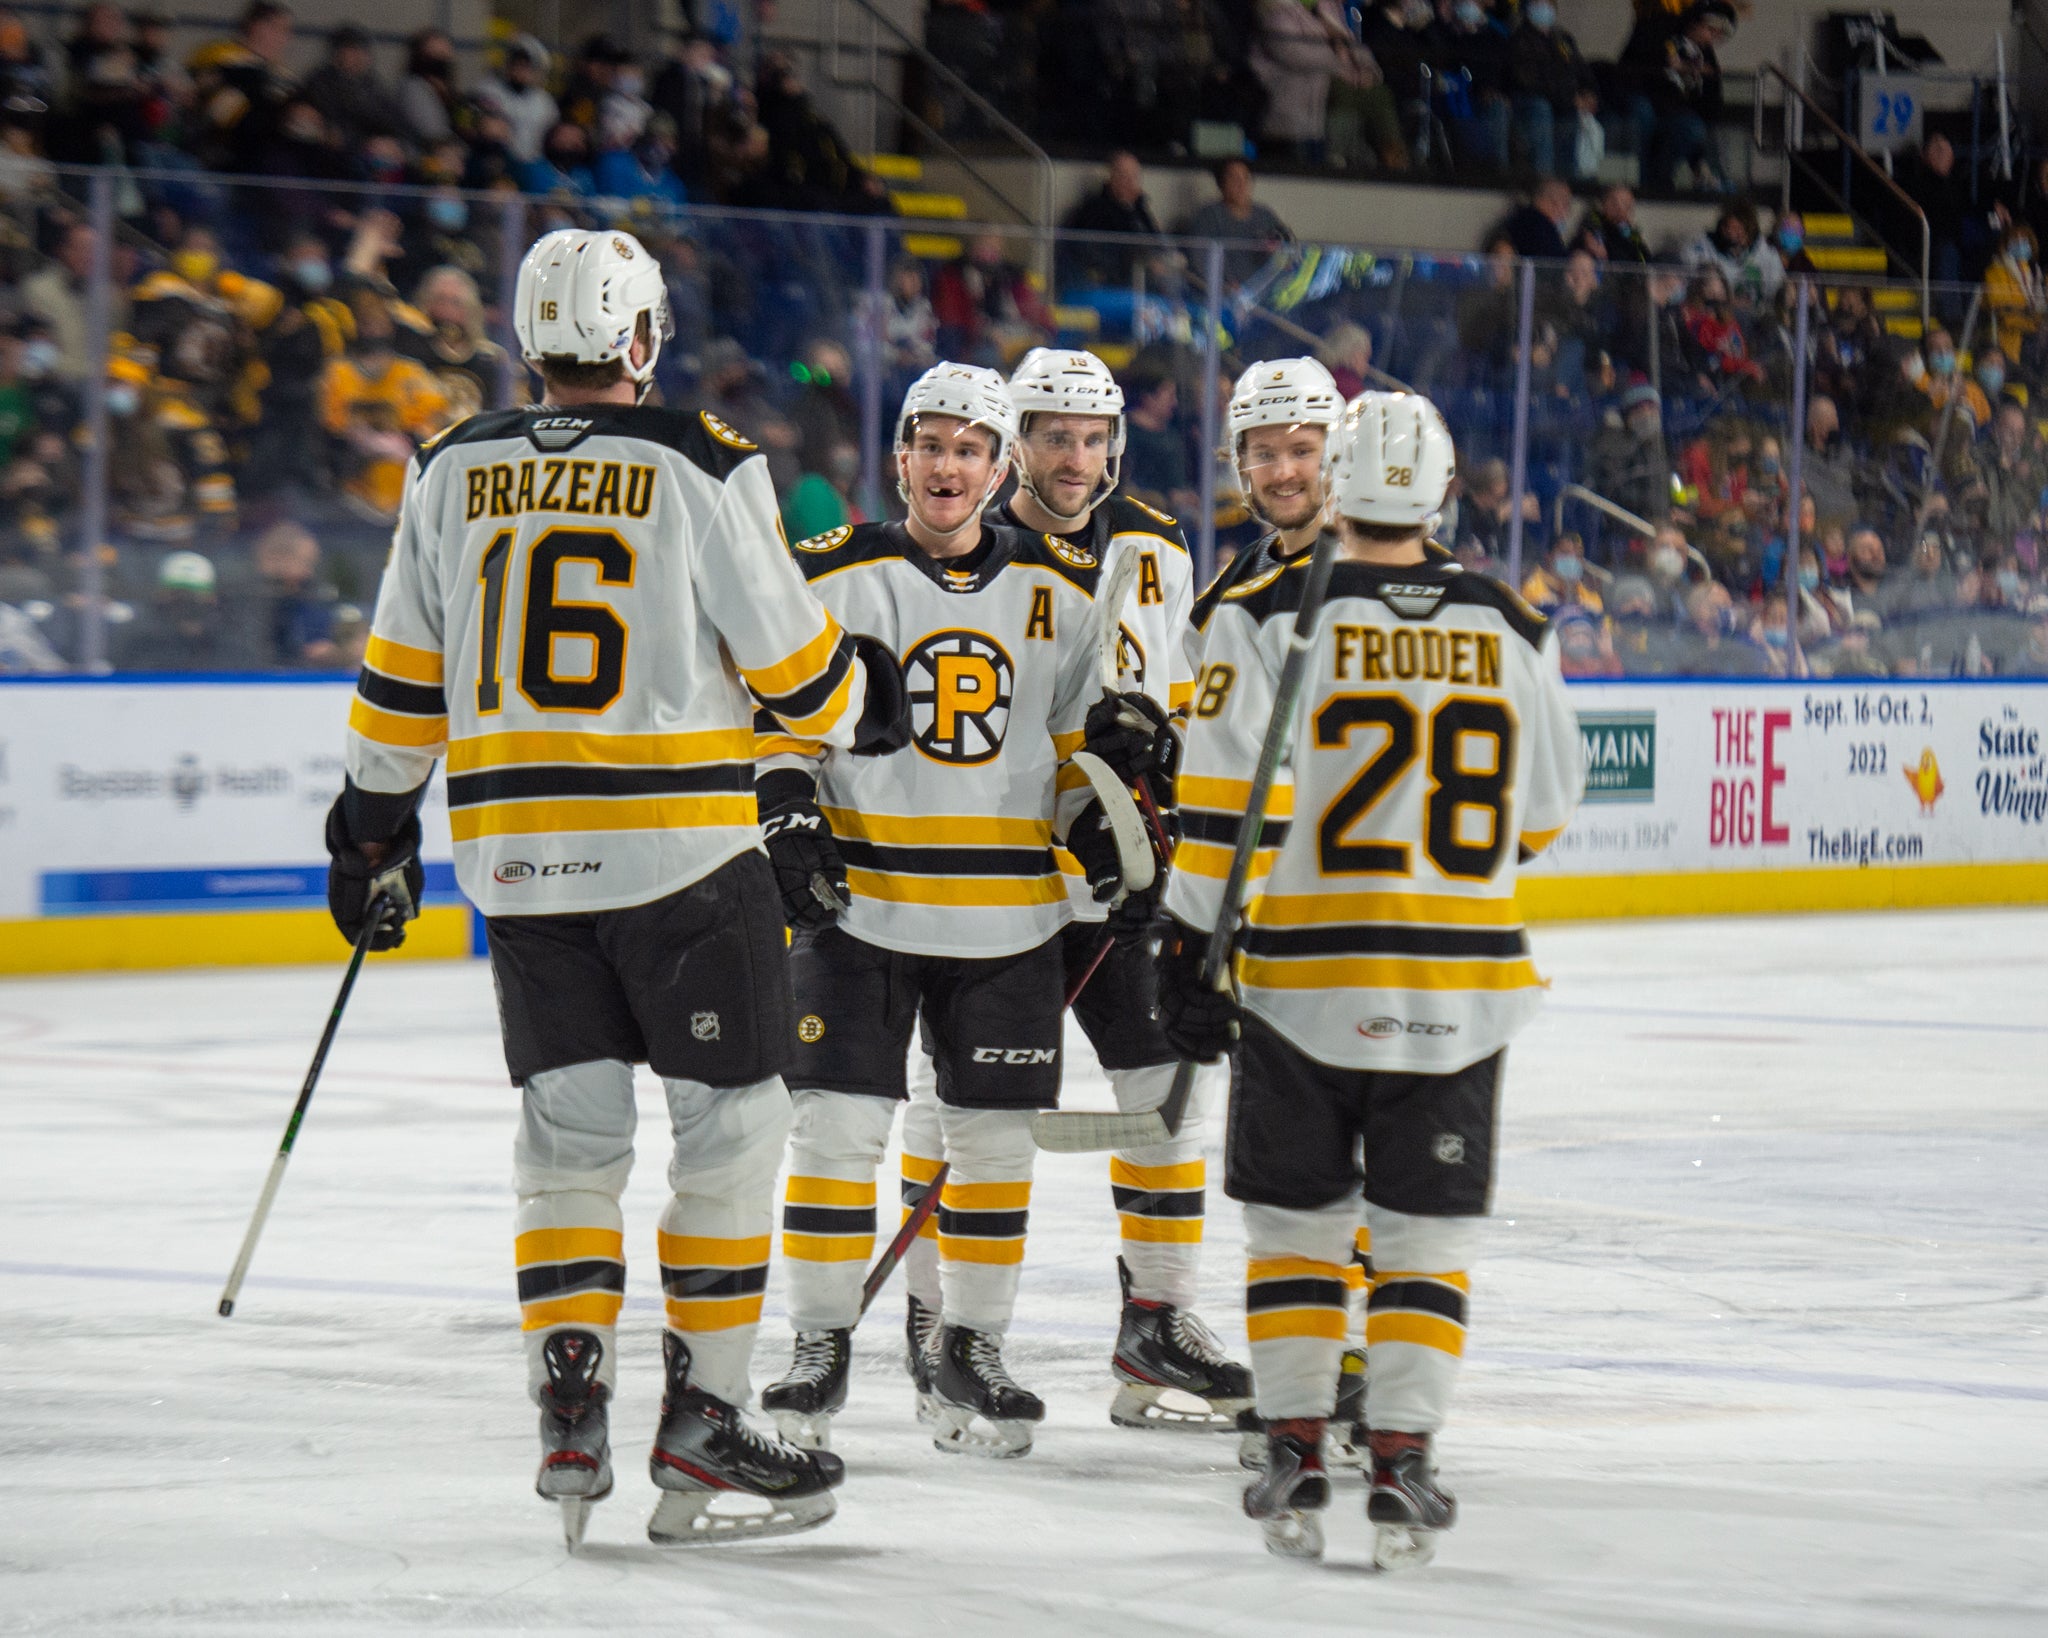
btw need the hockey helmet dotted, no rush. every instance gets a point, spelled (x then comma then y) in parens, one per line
(580, 297)
(1054, 381)
(1391, 460)
(1283, 392)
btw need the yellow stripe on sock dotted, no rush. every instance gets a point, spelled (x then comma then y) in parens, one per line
(713, 1313)
(1354, 1276)
(701, 1251)
(568, 1245)
(829, 1191)
(917, 1169)
(1424, 1330)
(1162, 1231)
(986, 1196)
(1193, 1174)
(1291, 1268)
(829, 1248)
(927, 1230)
(1272, 1324)
(585, 1308)
(1001, 1252)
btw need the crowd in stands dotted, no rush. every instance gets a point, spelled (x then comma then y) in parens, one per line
(1468, 89)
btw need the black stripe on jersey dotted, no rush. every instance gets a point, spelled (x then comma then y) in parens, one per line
(947, 861)
(582, 779)
(1303, 1292)
(829, 1219)
(559, 1279)
(1424, 1296)
(1280, 592)
(389, 694)
(714, 1282)
(843, 548)
(1159, 1202)
(983, 1225)
(810, 699)
(686, 432)
(1205, 825)
(1384, 938)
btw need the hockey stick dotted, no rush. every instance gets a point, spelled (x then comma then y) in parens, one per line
(1076, 1131)
(928, 1202)
(372, 921)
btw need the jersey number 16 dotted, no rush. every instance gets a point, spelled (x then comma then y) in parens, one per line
(550, 620)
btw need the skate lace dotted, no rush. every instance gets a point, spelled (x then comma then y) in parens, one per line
(1196, 1339)
(984, 1353)
(813, 1359)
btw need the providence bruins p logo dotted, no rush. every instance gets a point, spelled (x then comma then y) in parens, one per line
(960, 685)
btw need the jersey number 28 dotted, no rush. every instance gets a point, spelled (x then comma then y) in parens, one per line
(1454, 788)
(549, 619)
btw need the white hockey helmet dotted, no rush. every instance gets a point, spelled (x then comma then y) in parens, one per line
(969, 393)
(1391, 461)
(1053, 381)
(1283, 392)
(580, 298)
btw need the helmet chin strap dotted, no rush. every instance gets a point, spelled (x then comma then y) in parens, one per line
(973, 518)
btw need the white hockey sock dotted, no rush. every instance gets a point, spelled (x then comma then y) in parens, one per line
(828, 1215)
(571, 1251)
(924, 1142)
(1295, 1299)
(983, 1213)
(1415, 1318)
(1160, 1193)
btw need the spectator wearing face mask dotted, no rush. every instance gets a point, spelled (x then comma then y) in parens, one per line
(1643, 636)
(2013, 470)
(1627, 461)
(1943, 382)
(428, 95)
(1714, 641)
(184, 628)
(1829, 466)
(1477, 106)
(518, 93)
(1666, 564)
(563, 166)
(349, 95)
(1731, 247)
(2013, 289)
(1583, 646)
(378, 407)
(1716, 350)
(1789, 236)
(1550, 85)
(1559, 581)
(1866, 586)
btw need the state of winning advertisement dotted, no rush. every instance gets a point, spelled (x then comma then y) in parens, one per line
(1739, 776)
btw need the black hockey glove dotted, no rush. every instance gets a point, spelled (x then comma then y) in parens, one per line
(353, 882)
(1092, 843)
(808, 869)
(1133, 922)
(1130, 733)
(884, 724)
(1199, 1021)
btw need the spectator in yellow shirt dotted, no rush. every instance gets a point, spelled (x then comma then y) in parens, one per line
(1559, 582)
(379, 407)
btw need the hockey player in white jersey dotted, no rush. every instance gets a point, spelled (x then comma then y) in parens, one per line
(1382, 963)
(953, 907)
(585, 600)
(1070, 416)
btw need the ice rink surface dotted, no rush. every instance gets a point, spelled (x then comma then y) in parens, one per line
(1758, 1340)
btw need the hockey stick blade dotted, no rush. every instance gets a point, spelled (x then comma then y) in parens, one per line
(1135, 858)
(1080, 1131)
(1110, 597)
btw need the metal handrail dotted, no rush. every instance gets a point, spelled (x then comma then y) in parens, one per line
(1041, 216)
(1828, 123)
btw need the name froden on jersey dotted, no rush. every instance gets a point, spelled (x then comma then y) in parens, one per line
(1374, 654)
(605, 489)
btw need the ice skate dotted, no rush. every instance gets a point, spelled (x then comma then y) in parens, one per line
(971, 1385)
(1291, 1489)
(705, 1455)
(1161, 1349)
(1407, 1506)
(576, 1459)
(1347, 1447)
(804, 1402)
(920, 1334)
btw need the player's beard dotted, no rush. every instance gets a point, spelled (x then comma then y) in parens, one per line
(1042, 493)
(1301, 509)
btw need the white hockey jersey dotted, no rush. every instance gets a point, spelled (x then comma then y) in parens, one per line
(1432, 741)
(569, 594)
(948, 843)
(1155, 630)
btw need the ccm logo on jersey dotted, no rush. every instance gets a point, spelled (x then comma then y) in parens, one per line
(1016, 1055)
(1412, 602)
(514, 871)
(1385, 1029)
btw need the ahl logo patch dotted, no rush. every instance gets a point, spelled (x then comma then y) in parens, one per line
(724, 433)
(1417, 602)
(1067, 552)
(512, 871)
(704, 1025)
(830, 541)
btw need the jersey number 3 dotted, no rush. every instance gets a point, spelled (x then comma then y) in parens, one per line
(551, 623)
(1456, 791)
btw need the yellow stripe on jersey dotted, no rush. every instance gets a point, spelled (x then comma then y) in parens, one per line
(958, 892)
(1232, 795)
(937, 830)
(627, 813)
(806, 665)
(1386, 973)
(1537, 840)
(1179, 696)
(506, 750)
(388, 728)
(1212, 860)
(402, 660)
(767, 745)
(1067, 744)
(821, 720)
(1407, 909)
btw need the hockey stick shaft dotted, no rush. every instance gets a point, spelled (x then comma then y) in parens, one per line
(928, 1202)
(1079, 1130)
(372, 921)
